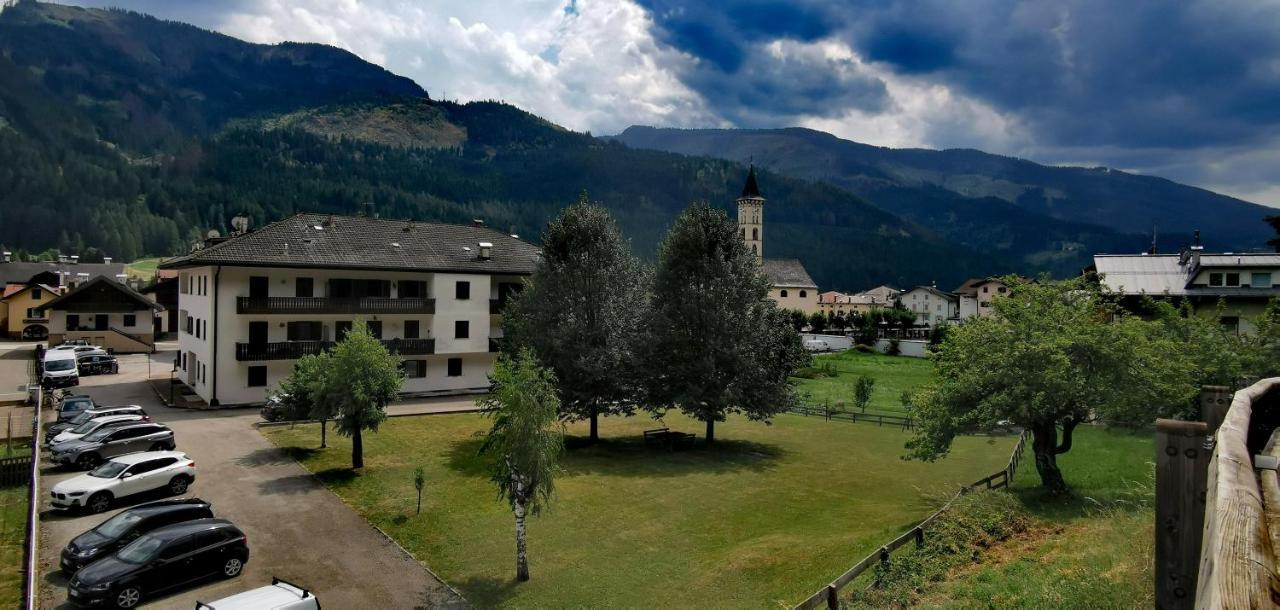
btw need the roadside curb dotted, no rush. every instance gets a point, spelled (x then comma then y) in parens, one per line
(409, 555)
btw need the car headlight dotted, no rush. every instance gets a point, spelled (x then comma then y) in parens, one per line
(99, 587)
(86, 552)
(76, 493)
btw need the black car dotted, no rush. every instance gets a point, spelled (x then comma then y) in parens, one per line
(121, 529)
(72, 405)
(97, 364)
(162, 559)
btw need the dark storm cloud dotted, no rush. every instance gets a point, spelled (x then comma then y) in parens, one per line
(1159, 74)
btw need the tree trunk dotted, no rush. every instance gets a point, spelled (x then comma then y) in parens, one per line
(419, 502)
(324, 440)
(357, 450)
(711, 431)
(522, 555)
(1045, 445)
(595, 426)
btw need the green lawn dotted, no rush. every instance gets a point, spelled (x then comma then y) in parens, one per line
(1092, 549)
(893, 374)
(764, 518)
(13, 533)
(144, 268)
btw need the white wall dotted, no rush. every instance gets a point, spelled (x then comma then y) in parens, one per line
(838, 343)
(906, 347)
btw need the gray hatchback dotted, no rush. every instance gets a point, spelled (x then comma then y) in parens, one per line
(104, 443)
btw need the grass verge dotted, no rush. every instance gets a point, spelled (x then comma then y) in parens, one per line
(893, 374)
(765, 517)
(1028, 549)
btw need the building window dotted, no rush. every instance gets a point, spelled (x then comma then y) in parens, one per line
(411, 329)
(304, 331)
(204, 378)
(184, 362)
(257, 376)
(1260, 280)
(804, 294)
(462, 291)
(130, 320)
(340, 329)
(755, 234)
(190, 325)
(784, 294)
(1231, 323)
(461, 329)
(73, 321)
(35, 294)
(1001, 289)
(455, 367)
(1215, 279)
(412, 289)
(984, 289)
(375, 328)
(304, 287)
(1233, 279)
(415, 368)
(31, 312)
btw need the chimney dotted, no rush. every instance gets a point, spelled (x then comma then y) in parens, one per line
(1184, 255)
(1196, 249)
(8, 257)
(486, 250)
(328, 221)
(240, 223)
(477, 222)
(75, 259)
(62, 258)
(106, 260)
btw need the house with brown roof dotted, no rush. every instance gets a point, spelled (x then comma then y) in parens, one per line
(20, 315)
(105, 313)
(789, 283)
(251, 304)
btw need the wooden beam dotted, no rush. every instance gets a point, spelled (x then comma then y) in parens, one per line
(1182, 464)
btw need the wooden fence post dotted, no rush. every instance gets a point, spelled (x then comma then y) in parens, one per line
(1182, 468)
(1214, 402)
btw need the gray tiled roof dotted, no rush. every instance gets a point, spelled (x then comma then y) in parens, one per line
(789, 272)
(1161, 274)
(21, 272)
(92, 285)
(349, 242)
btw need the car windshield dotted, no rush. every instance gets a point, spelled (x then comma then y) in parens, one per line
(83, 417)
(142, 550)
(98, 434)
(110, 470)
(60, 365)
(119, 524)
(85, 427)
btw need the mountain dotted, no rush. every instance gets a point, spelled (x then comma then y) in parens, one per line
(135, 136)
(1033, 213)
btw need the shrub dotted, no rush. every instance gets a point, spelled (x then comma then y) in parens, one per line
(894, 349)
(864, 348)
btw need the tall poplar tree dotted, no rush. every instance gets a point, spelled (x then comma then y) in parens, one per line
(580, 313)
(716, 344)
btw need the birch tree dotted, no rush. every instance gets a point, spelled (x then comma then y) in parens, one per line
(526, 440)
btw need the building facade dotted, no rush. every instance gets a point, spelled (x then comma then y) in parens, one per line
(789, 283)
(1242, 283)
(105, 313)
(975, 295)
(931, 306)
(251, 305)
(20, 310)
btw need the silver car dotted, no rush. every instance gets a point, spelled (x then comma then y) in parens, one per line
(94, 448)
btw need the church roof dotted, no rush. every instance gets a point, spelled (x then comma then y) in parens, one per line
(750, 189)
(787, 273)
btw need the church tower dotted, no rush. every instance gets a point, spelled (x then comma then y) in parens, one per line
(751, 215)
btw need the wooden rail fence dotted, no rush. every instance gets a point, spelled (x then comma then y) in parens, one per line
(901, 421)
(830, 594)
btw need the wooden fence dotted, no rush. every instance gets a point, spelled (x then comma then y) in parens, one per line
(901, 421)
(15, 471)
(830, 594)
(31, 548)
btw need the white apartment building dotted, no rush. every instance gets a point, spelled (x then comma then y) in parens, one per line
(250, 305)
(931, 306)
(975, 296)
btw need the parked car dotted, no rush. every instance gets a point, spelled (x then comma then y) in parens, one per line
(111, 535)
(97, 411)
(70, 344)
(280, 595)
(73, 405)
(90, 450)
(125, 475)
(162, 559)
(274, 409)
(58, 370)
(92, 426)
(97, 364)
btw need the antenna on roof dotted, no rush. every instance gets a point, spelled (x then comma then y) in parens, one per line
(1155, 233)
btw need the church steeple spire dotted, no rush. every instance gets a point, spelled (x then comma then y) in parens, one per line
(751, 214)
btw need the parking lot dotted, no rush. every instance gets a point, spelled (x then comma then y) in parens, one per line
(297, 530)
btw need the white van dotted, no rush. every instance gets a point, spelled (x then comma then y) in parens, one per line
(280, 595)
(59, 369)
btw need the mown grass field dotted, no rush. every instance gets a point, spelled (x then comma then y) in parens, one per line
(893, 374)
(1091, 549)
(13, 531)
(144, 268)
(763, 518)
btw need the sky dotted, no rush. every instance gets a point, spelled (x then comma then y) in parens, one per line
(1184, 89)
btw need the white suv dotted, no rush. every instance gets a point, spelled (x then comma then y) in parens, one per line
(125, 475)
(281, 595)
(92, 426)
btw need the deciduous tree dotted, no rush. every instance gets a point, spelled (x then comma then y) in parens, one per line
(580, 313)
(526, 439)
(716, 343)
(363, 378)
(304, 393)
(863, 387)
(1053, 355)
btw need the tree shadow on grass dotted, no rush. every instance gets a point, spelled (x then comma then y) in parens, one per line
(487, 591)
(629, 456)
(268, 456)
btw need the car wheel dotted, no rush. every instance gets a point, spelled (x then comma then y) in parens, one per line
(128, 597)
(178, 485)
(232, 567)
(98, 502)
(87, 461)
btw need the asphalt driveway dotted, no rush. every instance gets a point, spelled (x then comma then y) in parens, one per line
(297, 529)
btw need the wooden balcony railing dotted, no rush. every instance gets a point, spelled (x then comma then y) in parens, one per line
(292, 350)
(335, 305)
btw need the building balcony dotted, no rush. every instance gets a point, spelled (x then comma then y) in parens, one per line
(495, 344)
(292, 350)
(335, 305)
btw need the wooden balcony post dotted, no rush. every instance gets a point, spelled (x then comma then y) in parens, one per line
(1182, 468)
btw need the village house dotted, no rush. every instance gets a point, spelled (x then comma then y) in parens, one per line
(1242, 282)
(20, 313)
(975, 295)
(252, 304)
(105, 313)
(931, 305)
(881, 296)
(789, 283)
(833, 302)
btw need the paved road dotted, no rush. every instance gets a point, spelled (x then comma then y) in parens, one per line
(297, 529)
